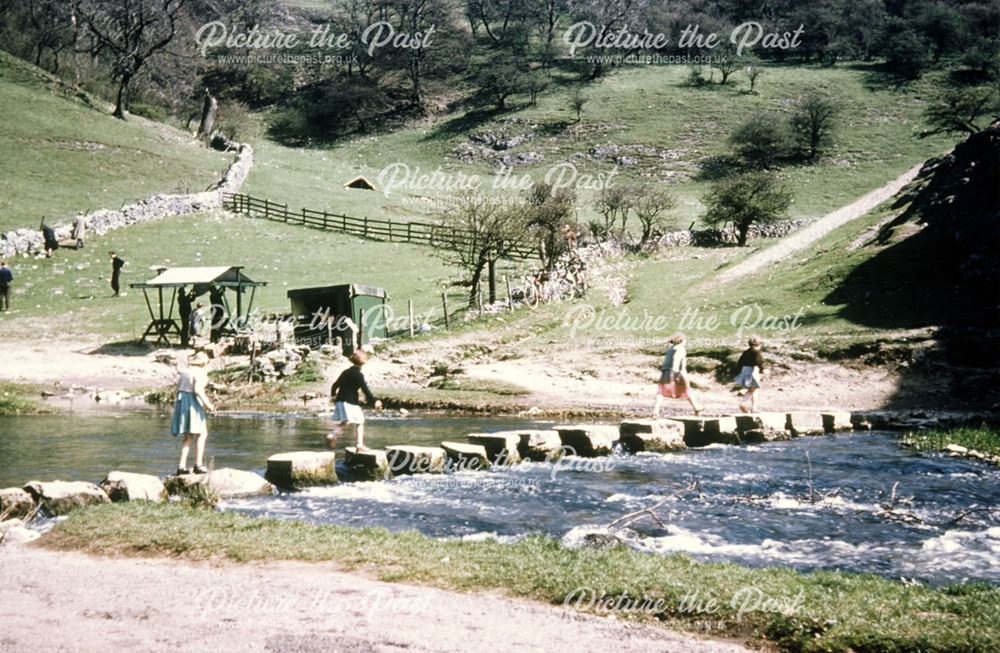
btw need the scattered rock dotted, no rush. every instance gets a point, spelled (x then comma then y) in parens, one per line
(62, 497)
(126, 486)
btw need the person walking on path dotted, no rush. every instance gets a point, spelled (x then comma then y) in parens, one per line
(751, 366)
(190, 412)
(79, 230)
(6, 278)
(347, 406)
(673, 376)
(184, 310)
(49, 236)
(116, 270)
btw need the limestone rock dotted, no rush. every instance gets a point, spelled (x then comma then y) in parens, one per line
(367, 465)
(15, 503)
(61, 497)
(501, 447)
(411, 459)
(806, 423)
(540, 446)
(226, 483)
(762, 427)
(837, 421)
(125, 486)
(300, 469)
(703, 431)
(655, 435)
(465, 457)
(588, 441)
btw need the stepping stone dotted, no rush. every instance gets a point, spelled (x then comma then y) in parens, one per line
(367, 465)
(703, 431)
(62, 497)
(126, 486)
(762, 427)
(465, 457)
(301, 469)
(411, 459)
(860, 422)
(540, 446)
(588, 441)
(837, 421)
(16, 503)
(805, 423)
(501, 447)
(226, 483)
(656, 435)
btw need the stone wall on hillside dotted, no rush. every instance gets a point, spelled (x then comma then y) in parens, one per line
(24, 241)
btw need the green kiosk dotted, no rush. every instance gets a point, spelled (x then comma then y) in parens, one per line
(352, 312)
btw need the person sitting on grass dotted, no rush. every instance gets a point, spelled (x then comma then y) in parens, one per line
(346, 407)
(190, 411)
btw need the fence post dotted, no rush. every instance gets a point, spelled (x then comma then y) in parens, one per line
(409, 308)
(444, 300)
(267, 210)
(325, 218)
(303, 216)
(285, 211)
(510, 297)
(409, 232)
(343, 223)
(366, 226)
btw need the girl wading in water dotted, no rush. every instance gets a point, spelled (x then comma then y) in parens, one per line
(751, 366)
(347, 406)
(673, 376)
(190, 412)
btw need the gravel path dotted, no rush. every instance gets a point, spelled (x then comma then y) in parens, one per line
(810, 234)
(65, 601)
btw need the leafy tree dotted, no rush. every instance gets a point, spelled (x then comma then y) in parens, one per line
(613, 203)
(960, 110)
(726, 62)
(905, 50)
(944, 27)
(498, 79)
(763, 140)
(813, 124)
(547, 211)
(746, 199)
(535, 83)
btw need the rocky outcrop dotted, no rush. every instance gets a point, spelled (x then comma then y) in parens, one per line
(301, 469)
(224, 483)
(465, 457)
(15, 503)
(411, 459)
(501, 447)
(655, 435)
(126, 486)
(279, 363)
(154, 207)
(62, 497)
(588, 441)
(367, 465)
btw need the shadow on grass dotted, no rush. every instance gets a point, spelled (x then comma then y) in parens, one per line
(124, 348)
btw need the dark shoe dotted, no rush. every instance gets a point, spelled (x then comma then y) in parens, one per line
(181, 471)
(198, 469)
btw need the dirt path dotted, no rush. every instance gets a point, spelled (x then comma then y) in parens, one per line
(59, 601)
(809, 235)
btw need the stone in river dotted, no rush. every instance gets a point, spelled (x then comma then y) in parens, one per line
(501, 447)
(656, 435)
(15, 503)
(126, 486)
(61, 497)
(806, 423)
(301, 469)
(540, 446)
(465, 457)
(367, 465)
(703, 431)
(762, 427)
(412, 459)
(588, 440)
(226, 483)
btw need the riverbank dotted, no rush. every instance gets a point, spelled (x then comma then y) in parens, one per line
(825, 611)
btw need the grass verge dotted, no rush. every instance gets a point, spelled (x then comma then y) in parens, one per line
(823, 611)
(982, 439)
(18, 399)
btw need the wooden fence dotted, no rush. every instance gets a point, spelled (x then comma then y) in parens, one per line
(422, 233)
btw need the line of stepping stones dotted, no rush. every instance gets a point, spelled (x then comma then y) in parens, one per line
(302, 469)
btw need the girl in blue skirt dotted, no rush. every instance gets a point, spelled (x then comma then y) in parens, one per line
(190, 412)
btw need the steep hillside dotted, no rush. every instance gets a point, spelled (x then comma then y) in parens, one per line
(59, 153)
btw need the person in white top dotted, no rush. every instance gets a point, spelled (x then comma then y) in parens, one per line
(190, 419)
(673, 376)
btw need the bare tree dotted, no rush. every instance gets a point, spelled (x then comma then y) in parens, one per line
(651, 204)
(131, 32)
(726, 63)
(613, 203)
(577, 100)
(480, 230)
(753, 71)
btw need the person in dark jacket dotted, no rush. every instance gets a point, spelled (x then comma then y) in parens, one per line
(6, 278)
(751, 365)
(347, 405)
(184, 300)
(49, 236)
(116, 271)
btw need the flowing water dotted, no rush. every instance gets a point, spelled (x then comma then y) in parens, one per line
(810, 503)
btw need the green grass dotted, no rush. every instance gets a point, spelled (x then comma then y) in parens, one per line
(634, 106)
(983, 439)
(71, 290)
(20, 399)
(824, 611)
(59, 156)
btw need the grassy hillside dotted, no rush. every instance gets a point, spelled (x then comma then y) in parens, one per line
(59, 156)
(650, 107)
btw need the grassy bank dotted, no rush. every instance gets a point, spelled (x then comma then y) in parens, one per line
(982, 439)
(20, 399)
(825, 611)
